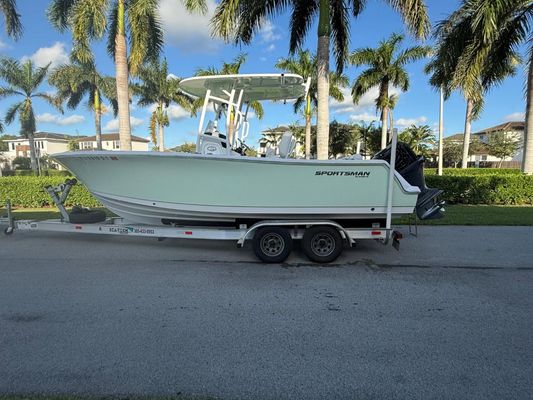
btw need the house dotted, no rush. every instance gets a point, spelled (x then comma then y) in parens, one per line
(46, 143)
(268, 144)
(111, 141)
(512, 130)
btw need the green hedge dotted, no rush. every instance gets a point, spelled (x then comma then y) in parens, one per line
(489, 189)
(474, 171)
(28, 192)
(26, 172)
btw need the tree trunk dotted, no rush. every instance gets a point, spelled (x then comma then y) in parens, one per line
(384, 118)
(308, 136)
(391, 127)
(468, 128)
(527, 160)
(98, 119)
(441, 131)
(33, 154)
(121, 66)
(161, 137)
(322, 123)
(308, 128)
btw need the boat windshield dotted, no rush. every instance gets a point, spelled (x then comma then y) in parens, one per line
(228, 97)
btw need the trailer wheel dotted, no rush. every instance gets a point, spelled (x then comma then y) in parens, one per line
(9, 230)
(272, 244)
(322, 244)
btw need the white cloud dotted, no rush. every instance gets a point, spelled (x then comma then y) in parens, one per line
(271, 47)
(55, 54)
(269, 32)
(58, 120)
(113, 124)
(364, 117)
(366, 104)
(517, 116)
(3, 45)
(403, 123)
(189, 32)
(175, 112)
(46, 117)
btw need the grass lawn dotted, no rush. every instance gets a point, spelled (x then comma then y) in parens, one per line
(455, 215)
(481, 215)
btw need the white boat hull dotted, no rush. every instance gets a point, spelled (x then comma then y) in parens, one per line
(159, 188)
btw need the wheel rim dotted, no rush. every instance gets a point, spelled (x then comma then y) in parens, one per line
(272, 244)
(323, 244)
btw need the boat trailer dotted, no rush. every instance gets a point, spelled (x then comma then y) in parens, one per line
(272, 240)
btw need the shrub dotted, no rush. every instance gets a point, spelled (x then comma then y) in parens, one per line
(474, 171)
(28, 191)
(484, 189)
(26, 172)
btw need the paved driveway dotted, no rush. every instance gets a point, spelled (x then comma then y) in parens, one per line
(449, 316)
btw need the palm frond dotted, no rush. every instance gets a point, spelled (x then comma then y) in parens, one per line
(364, 82)
(112, 29)
(12, 112)
(59, 13)
(414, 14)
(300, 22)
(11, 18)
(146, 33)
(340, 28)
(258, 109)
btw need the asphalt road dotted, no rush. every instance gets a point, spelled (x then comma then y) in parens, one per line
(450, 316)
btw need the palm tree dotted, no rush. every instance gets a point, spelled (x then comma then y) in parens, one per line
(77, 80)
(387, 67)
(305, 65)
(11, 18)
(420, 138)
(229, 68)
(238, 21)
(92, 19)
(23, 81)
(459, 64)
(497, 28)
(157, 87)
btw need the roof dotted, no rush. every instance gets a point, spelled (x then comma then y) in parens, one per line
(279, 130)
(457, 136)
(45, 135)
(254, 86)
(505, 127)
(111, 136)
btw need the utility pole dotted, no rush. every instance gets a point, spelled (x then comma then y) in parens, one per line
(441, 131)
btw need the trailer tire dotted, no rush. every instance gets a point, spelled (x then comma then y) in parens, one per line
(80, 215)
(322, 244)
(272, 244)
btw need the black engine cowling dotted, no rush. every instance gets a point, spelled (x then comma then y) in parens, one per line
(411, 167)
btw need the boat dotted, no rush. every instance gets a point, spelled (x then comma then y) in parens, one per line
(221, 185)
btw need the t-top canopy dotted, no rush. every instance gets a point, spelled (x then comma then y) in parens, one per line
(255, 86)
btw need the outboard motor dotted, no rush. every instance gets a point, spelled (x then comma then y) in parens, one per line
(411, 167)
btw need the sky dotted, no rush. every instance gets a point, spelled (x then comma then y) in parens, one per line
(189, 46)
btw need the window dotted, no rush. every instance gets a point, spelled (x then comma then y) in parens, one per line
(86, 145)
(483, 158)
(116, 145)
(13, 146)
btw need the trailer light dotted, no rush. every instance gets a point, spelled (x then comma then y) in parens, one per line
(188, 232)
(79, 227)
(376, 233)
